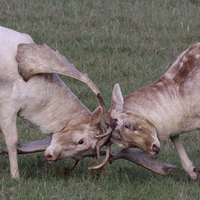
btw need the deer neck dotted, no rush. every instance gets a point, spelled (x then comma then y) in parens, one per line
(159, 104)
(53, 106)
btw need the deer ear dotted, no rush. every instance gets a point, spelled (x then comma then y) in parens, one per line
(95, 119)
(117, 99)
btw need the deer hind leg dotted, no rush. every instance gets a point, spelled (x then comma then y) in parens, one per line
(9, 129)
(185, 161)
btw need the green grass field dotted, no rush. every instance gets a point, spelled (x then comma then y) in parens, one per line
(128, 42)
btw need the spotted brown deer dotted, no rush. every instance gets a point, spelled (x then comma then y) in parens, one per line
(162, 110)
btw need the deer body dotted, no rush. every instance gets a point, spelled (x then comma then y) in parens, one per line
(45, 101)
(164, 109)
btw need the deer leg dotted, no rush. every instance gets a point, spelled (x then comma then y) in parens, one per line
(9, 129)
(185, 161)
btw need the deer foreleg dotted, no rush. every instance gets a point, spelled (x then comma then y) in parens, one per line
(9, 130)
(185, 161)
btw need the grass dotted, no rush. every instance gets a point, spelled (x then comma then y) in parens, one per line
(128, 42)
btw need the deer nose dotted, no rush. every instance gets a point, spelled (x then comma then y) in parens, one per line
(49, 158)
(156, 149)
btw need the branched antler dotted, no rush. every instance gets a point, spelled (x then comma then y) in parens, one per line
(143, 159)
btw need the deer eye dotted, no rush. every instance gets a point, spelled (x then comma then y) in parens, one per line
(81, 141)
(127, 125)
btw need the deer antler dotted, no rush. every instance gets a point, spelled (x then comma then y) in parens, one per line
(32, 147)
(143, 159)
(36, 59)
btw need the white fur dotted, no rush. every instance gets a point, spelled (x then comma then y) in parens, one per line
(46, 102)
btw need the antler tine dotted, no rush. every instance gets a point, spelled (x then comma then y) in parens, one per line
(110, 126)
(108, 150)
(101, 143)
(105, 134)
